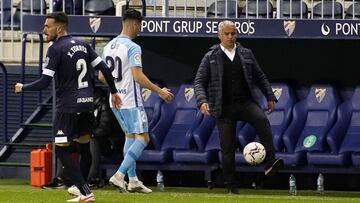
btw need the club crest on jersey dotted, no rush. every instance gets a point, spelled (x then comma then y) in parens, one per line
(189, 93)
(145, 93)
(113, 46)
(289, 27)
(320, 94)
(137, 59)
(277, 92)
(94, 24)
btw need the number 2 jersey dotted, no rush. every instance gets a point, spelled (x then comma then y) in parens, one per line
(71, 62)
(121, 54)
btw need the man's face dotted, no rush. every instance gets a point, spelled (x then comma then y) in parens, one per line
(227, 36)
(50, 30)
(137, 27)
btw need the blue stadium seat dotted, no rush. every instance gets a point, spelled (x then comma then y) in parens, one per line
(295, 10)
(71, 7)
(312, 119)
(174, 129)
(345, 136)
(213, 143)
(341, 137)
(324, 9)
(198, 154)
(152, 104)
(218, 9)
(353, 11)
(6, 12)
(257, 9)
(206, 143)
(36, 6)
(99, 7)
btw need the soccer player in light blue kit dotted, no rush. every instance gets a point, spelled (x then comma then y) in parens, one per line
(123, 57)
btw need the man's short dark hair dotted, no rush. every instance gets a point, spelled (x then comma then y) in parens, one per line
(132, 14)
(59, 17)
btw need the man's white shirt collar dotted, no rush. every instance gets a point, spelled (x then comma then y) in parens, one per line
(230, 54)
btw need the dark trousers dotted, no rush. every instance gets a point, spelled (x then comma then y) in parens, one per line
(64, 154)
(251, 113)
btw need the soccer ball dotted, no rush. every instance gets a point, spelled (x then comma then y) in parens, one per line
(254, 153)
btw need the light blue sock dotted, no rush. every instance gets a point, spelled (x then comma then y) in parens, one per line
(132, 171)
(128, 142)
(132, 155)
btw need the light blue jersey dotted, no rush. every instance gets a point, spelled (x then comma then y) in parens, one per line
(121, 54)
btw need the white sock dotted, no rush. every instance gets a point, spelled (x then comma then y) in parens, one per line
(133, 179)
(118, 175)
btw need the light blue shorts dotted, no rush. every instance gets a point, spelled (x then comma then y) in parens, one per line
(133, 120)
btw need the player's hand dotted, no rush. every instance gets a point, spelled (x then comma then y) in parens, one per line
(204, 109)
(166, 95)
(18, 87)
(271, 106)
(116, 100)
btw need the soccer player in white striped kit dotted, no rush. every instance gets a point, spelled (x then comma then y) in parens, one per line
(123, 57)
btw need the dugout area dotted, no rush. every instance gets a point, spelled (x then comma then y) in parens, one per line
(298, 62)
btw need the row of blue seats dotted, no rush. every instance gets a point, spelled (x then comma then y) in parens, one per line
(318, 129)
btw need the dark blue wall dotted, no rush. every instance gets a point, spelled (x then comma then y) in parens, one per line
(297, 61)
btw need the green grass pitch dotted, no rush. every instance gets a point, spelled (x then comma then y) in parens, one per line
(19, 191)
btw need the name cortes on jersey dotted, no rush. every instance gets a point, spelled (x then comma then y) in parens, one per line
(75, 49)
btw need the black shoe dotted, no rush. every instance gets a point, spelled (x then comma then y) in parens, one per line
(233, 190)
(55, 183)
(96, 183)
(273, 165)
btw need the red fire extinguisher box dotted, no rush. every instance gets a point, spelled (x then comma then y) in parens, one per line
(41, 166)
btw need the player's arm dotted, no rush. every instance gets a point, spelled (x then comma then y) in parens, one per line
(144, 81)
(39, 84)
(101, 78)
(52, 62)
(100, 75)
(99, 64)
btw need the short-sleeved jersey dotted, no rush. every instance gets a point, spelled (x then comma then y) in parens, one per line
(121, 54)
(71, 62)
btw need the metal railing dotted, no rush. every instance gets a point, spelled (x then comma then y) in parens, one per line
(11, 26)
(12, 12)
(23, 66)
(280, 9)
(5, 102)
